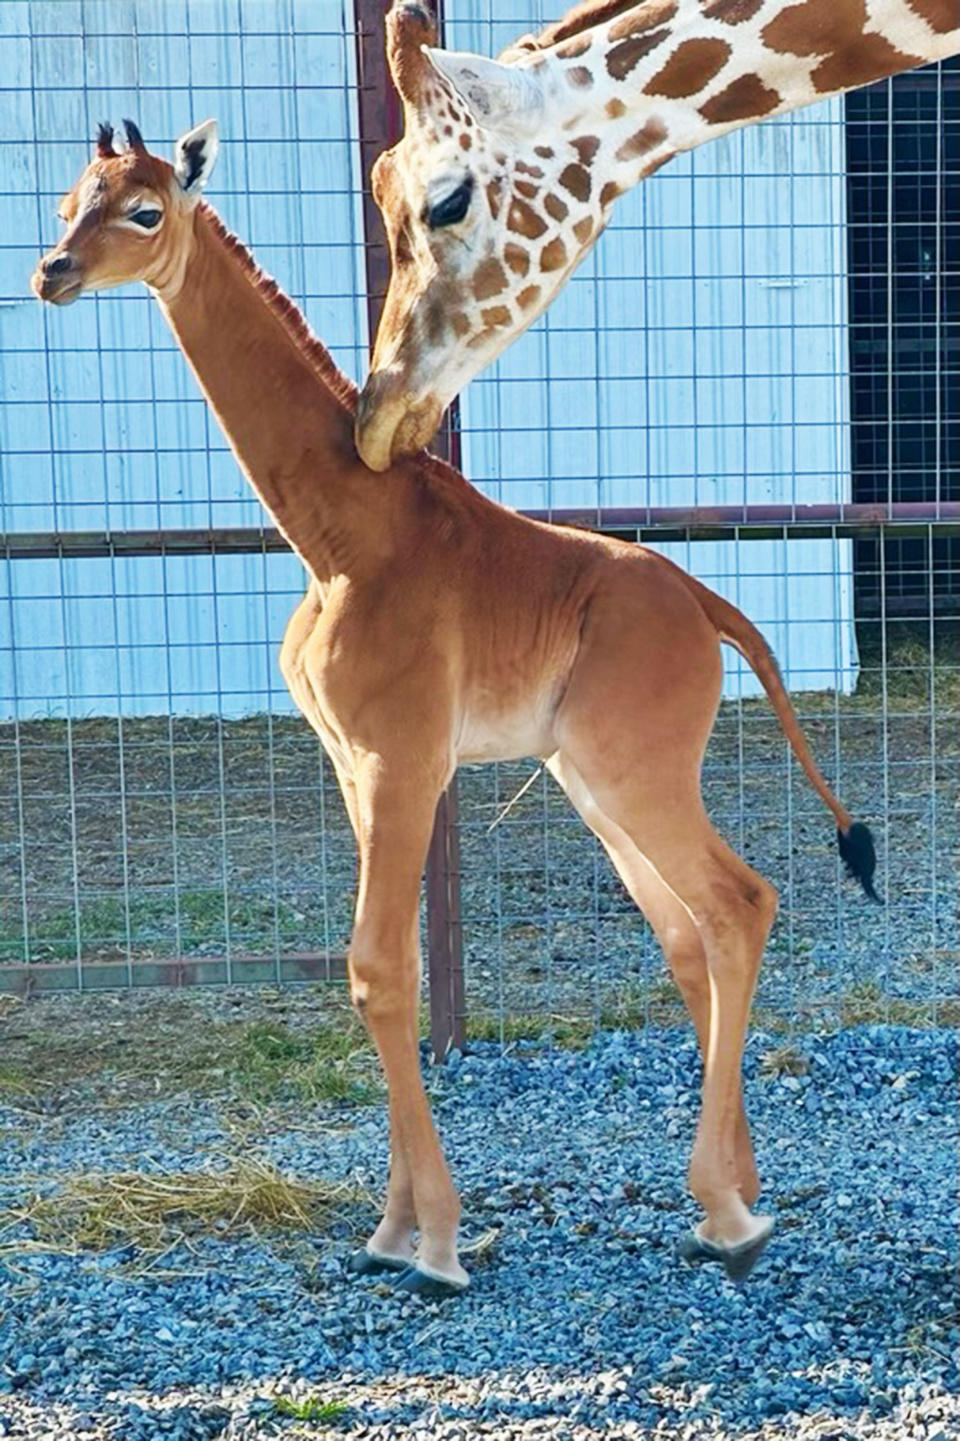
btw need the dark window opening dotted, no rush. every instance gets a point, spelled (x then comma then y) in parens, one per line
(903, 250)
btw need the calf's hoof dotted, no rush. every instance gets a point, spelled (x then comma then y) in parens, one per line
(374, 1263)
(419, 1282)
(738, 1261)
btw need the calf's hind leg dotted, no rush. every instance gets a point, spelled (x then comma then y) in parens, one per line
(679, 939)
(658, 808)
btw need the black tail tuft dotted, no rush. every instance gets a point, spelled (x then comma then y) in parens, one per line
(859, 857)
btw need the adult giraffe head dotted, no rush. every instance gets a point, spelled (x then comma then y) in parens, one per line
(507, 169)
(485, 222)
(129, 216)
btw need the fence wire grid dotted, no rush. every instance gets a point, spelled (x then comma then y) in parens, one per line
(770, 323)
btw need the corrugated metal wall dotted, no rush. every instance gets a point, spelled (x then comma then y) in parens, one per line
(698, 357)
(102, 427)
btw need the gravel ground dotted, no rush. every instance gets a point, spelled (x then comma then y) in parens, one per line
(580, 1322)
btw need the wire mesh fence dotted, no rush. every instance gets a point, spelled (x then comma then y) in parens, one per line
(165, 817)
(550, 931)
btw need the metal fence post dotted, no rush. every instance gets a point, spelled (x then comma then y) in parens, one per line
(380, 126)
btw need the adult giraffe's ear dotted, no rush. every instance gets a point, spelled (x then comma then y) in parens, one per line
(195, 155)
(500, 97)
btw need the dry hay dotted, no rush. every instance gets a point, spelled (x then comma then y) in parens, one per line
(245, 1196)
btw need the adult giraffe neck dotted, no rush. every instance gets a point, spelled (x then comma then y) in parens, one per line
(285, 409)
(697, 70)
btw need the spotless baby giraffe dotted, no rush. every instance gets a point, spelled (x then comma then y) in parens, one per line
(508, 170)
(439, 627)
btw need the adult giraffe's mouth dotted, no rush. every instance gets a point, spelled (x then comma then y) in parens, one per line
(391, 424)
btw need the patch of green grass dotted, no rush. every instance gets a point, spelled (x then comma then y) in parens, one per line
(865, 1004)
(14, 1084)
(312, 1408)
(570, 1032)
(266, 1061)
(102, 927)
(658, 1004)
(328, 1059)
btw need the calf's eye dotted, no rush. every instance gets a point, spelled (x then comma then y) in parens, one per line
(146, 217)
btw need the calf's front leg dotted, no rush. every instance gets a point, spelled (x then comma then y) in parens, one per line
(395, 820)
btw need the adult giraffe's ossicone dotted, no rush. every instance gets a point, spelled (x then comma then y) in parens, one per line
(439, 627)
(508, 169)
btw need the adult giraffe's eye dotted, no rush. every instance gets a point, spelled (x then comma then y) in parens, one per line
(146, 217)
(452, 208)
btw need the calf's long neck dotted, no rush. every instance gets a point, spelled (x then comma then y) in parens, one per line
(283, 406)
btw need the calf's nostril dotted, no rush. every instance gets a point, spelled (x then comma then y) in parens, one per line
(58, 265)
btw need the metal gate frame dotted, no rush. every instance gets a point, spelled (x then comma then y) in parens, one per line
(380, 117)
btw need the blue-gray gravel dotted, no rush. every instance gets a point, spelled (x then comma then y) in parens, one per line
(580, 1322)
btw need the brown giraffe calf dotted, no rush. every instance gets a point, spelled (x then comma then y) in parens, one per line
(438, 628)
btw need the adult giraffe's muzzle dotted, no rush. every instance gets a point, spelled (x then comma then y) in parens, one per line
(391, 423)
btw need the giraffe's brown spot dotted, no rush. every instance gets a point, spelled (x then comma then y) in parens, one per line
(577, 180)
(555, 207)
(465, 142)
(524, 220)
(493, 197)
(643, 17)
(586, 147)
(533, 170)
(489, 279)
(543, 151)
(587, 13)
(647, 138)
(554, 255)
(448, 130)
(527, 189)
(435, 323)
(460, 324)
(731, 12)
(628, 53)
(495, 315)
(516, 257)
(744, 99)
(481, 338)
(500, 159)
(609, 193)
(691, 66)
(570, 49)
(584, 229)
(467, 119)
(940, 15)
(580, 75)
(815, 27)
(528, 297)
(615, 108)
(870, 59)
(822, 27)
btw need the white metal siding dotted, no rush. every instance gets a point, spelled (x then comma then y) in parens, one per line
(717, 374)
